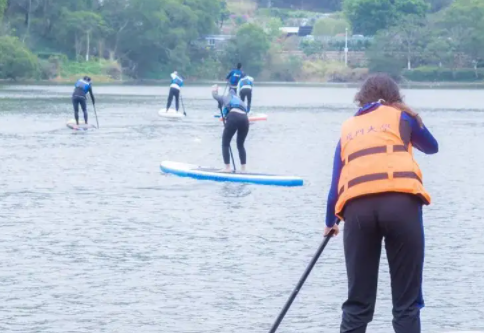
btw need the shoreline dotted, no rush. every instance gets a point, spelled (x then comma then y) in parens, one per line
(195, 83)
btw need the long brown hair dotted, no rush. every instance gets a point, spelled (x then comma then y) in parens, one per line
(382, 88)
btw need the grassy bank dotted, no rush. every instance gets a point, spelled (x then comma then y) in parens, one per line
(59, 69)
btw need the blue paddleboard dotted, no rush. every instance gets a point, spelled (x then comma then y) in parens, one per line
(207, 173)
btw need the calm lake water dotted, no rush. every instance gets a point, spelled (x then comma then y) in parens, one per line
(95, 239)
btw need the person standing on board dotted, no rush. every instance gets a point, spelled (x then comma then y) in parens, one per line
(245, 86)
(175, 86)
(81, 88)
(377, 190)
(234, 77)
(236, 120)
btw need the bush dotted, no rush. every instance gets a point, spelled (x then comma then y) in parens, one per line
(16, 61)
(286, 69)
(323, 71)
(431, 74)
(96, 68)
(329, 26)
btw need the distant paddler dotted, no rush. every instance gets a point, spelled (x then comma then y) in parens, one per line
(245, 88)
(234, 77)
(81, 88)
(175, 87)
(234, 112)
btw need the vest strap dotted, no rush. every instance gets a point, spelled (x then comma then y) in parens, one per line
(380, 176)
(375, 150)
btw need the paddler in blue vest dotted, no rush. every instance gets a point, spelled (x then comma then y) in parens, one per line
(234, 77)
(377, 189)
(245, 87)
(236, 120)
(175, 87)
(81, 88)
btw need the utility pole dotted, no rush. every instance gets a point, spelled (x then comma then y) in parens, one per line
(346, 47)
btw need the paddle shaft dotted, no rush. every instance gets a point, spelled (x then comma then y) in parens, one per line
(95, 113)
(183, 105)
(301, 281)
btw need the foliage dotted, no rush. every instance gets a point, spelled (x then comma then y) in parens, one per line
(16, 61)
(329, 26)
(310, 48)
(273, 27)
(327, 71)
(3, 6)
(436, 5)
(367, 17)
(448, 47)
(144, 35)
(463, 24)
(431, 74)
(250, 47)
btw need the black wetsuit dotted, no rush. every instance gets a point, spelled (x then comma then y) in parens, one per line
(79, 98)
(236, 120)
(173, 93)
(396, 217)
(246, 93)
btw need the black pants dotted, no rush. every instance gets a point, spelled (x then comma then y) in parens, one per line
(246, 93)
(76, 100)
(235, 122)
(176, 93)
(397, 217)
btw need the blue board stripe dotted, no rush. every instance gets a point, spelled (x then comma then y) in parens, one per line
(289, 182)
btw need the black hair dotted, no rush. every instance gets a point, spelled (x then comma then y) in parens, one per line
(87, 78)
(239, 65)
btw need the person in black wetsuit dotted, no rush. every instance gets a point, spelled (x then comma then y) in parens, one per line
(234, 77)
(245, 88)
(175, 87)
(236, 120)
(81, 88)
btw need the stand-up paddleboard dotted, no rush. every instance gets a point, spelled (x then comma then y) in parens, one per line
(252, 116)
(172, 113)
(207, 173)
(81, 127)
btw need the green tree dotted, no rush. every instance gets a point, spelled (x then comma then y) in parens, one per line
(148, 37)
(3, 8)
(403, 45)
(367, 17)
(16, 61)
(273, 27)
(312, 48)
(463, 23)
(250, 46)
(436, 5)
(81, 27)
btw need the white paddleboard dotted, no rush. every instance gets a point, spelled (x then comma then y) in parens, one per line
(172, 113)
(81, 127)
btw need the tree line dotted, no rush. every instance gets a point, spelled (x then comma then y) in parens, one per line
(447, 43)
(145, 36)
(433, 39)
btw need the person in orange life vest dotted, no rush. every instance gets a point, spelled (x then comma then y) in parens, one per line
(377, 191)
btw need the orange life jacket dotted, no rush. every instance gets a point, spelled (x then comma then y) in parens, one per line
(375, 158)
